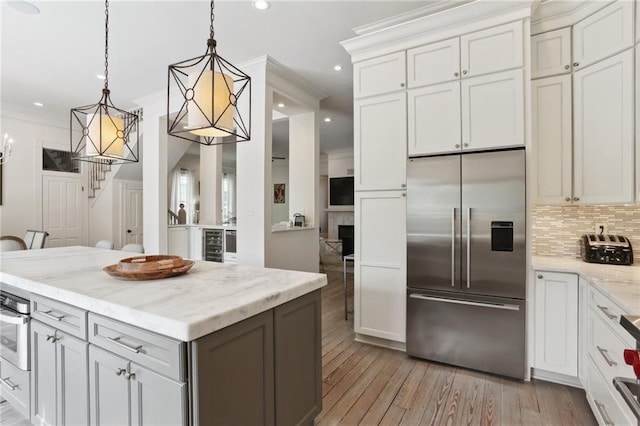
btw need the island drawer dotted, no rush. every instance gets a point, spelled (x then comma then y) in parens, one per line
(67, 318)
(14, 387)
(159, 353)
(610, 313)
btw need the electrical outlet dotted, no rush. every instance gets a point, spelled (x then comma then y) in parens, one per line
(601, 228)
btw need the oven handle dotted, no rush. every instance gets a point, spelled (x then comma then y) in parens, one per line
(15, 320)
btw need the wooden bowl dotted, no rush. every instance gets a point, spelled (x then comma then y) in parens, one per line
(115, 272)
(150, 263)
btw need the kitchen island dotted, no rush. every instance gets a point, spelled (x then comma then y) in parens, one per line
(221, 344)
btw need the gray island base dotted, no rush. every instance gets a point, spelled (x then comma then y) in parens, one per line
(220, 345)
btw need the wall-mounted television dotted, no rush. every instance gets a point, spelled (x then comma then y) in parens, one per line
(341, 191)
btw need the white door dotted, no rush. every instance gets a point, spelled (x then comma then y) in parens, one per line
(380, 142)
(603, 128)
(434, 119)
(380, 264)
(551, 113)
(493, 110)
(494, 49)
(379, 75)
(63, 210)
(132, 209)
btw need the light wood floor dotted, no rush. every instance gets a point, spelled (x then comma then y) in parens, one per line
(367, 385)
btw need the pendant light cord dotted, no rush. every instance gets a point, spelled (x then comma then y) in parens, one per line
(212, 32)
(106, 44)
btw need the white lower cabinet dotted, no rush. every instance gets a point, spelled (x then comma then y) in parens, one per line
(59, 377)
(556, 323)
(14, 387)
(178, 241)
(380, 264)
(124, 393)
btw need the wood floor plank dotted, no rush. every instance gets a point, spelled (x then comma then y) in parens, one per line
(426, 388)
(393, 416)
(492, 403)
(380, 406)
(434, 412)
(472, 398)
(409, 388)
(349, 364)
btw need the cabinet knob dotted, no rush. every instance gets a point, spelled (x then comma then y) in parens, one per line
(566, 67)
(466, 145)
(401, 84)
(52, 339)
(567, 199)
(120, 371)
(457, 145)
(576, 64)
(455, 74)
(403, 185)
(130, 376)
(576, 198)
(464, 72)
(540, 276)
(404, 194)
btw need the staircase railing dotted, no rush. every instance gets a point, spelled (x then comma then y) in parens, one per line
(173, 218)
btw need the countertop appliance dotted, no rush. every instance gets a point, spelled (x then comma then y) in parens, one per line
(466, 260)
(611, 249)
(629, 388)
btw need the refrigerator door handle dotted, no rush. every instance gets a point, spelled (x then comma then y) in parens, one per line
(453, 247)
(466, 302)
(469, 247)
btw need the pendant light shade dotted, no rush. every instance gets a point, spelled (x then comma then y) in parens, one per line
(212, 99)
(102, 131)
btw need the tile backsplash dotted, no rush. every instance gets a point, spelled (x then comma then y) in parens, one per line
(557, 229)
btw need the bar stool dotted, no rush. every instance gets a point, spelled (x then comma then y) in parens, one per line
(348, 258)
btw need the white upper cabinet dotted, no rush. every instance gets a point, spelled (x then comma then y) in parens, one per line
(551, 113)
(494, 49)
(434, 119)
(604, 133)
(603, 34)
(433, 63)
(379, 75)
(380, 142)
(493, 110)
(551, 53)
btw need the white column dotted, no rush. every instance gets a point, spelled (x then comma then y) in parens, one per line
(304, 154)
(211, 184)
(154, 178)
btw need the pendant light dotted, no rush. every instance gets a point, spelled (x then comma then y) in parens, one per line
(102, 132)
(210, 96)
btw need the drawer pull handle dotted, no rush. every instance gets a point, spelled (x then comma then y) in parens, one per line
(116, 340)
(605, 355)
(49, 315)
(605, 311)
(603, 413)
(8, 384)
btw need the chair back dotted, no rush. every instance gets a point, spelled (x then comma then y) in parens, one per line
(10, 243)
(104, 244)
(35, 239)
(134, 248)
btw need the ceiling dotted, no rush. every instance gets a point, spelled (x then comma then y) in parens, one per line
(54, 57)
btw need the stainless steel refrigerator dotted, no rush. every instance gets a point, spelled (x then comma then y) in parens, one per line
(466, 260)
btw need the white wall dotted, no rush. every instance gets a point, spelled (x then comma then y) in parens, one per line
(280, 174)
(21, 180)
(211, 185)
(340, 163)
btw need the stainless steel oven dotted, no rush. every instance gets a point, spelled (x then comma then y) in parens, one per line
(14, 334)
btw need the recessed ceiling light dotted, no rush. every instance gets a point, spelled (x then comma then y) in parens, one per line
(24, 7)
(261, 4)
(338, 68)
(38, 104)
(101, 76)
(280, 105)
(327, 120)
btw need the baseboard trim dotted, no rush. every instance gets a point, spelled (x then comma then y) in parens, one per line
(377, 341)
(562, 379)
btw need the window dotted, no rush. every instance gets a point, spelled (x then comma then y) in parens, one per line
(54, 160)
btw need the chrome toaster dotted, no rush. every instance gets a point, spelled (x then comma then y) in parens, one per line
(610, 249)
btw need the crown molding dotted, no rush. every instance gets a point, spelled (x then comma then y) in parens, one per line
(461, 19)
(554, 14)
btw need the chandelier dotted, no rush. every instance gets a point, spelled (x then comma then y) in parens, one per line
(102, 131)
(5, 149)
(212, 95)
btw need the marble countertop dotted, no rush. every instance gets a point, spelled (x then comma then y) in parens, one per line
(620, 283)
(209, 297)
(197, 225)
